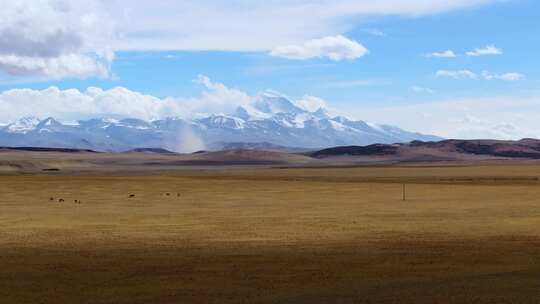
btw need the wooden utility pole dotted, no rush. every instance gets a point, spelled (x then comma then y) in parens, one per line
(404, 197)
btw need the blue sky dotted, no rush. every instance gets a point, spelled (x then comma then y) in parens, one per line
(396, 75)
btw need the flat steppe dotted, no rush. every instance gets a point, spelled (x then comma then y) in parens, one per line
(464, 234)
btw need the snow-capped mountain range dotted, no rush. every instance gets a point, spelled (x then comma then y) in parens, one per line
(271, 119)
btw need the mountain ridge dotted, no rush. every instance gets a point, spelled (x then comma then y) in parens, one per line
(270, 119)
(450, 149)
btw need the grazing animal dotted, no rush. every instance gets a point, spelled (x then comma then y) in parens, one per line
(77, 201)
(168, 194)
(131, 195)
(61, 200)
(51, 199)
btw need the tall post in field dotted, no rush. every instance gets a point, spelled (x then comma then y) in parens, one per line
(404, 197)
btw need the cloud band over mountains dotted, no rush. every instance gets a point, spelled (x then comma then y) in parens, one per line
(72, 104)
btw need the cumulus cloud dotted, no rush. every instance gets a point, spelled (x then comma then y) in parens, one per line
(459, 74)
(120, 102)
(444, 54)
(72, 104)
(336, 48)
(218, 98)
(485, 51)
(55, 39)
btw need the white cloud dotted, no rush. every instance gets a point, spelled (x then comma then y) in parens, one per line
(488, 50)
(312, 103)
(335, 48)
(72, 104)
(256, 25)
(78, 38)
(218, 98)
(444, 54)
(506, 76)
(120, 102)
(468, 118)
(72, 65)
(510, 76)
(418, 89)
(459, 74)
(55, 39)
(486, 75)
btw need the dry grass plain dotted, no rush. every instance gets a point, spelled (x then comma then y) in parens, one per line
(468, 234)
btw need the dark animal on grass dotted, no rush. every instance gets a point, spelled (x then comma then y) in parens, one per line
(131, 195)
(61, 200)
(51, 199)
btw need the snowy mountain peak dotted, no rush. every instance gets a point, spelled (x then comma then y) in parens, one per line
(23, 125)
(95, 123)
(49, 125)
(223, 121)
(243, 113)
(341, 119)
(49, 121)
(321, 113)
(134, 123)
(250, 113)
(275, 104)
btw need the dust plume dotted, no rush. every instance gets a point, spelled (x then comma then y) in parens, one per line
(187, 141)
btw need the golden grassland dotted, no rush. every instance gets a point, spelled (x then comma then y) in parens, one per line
(468, 234)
